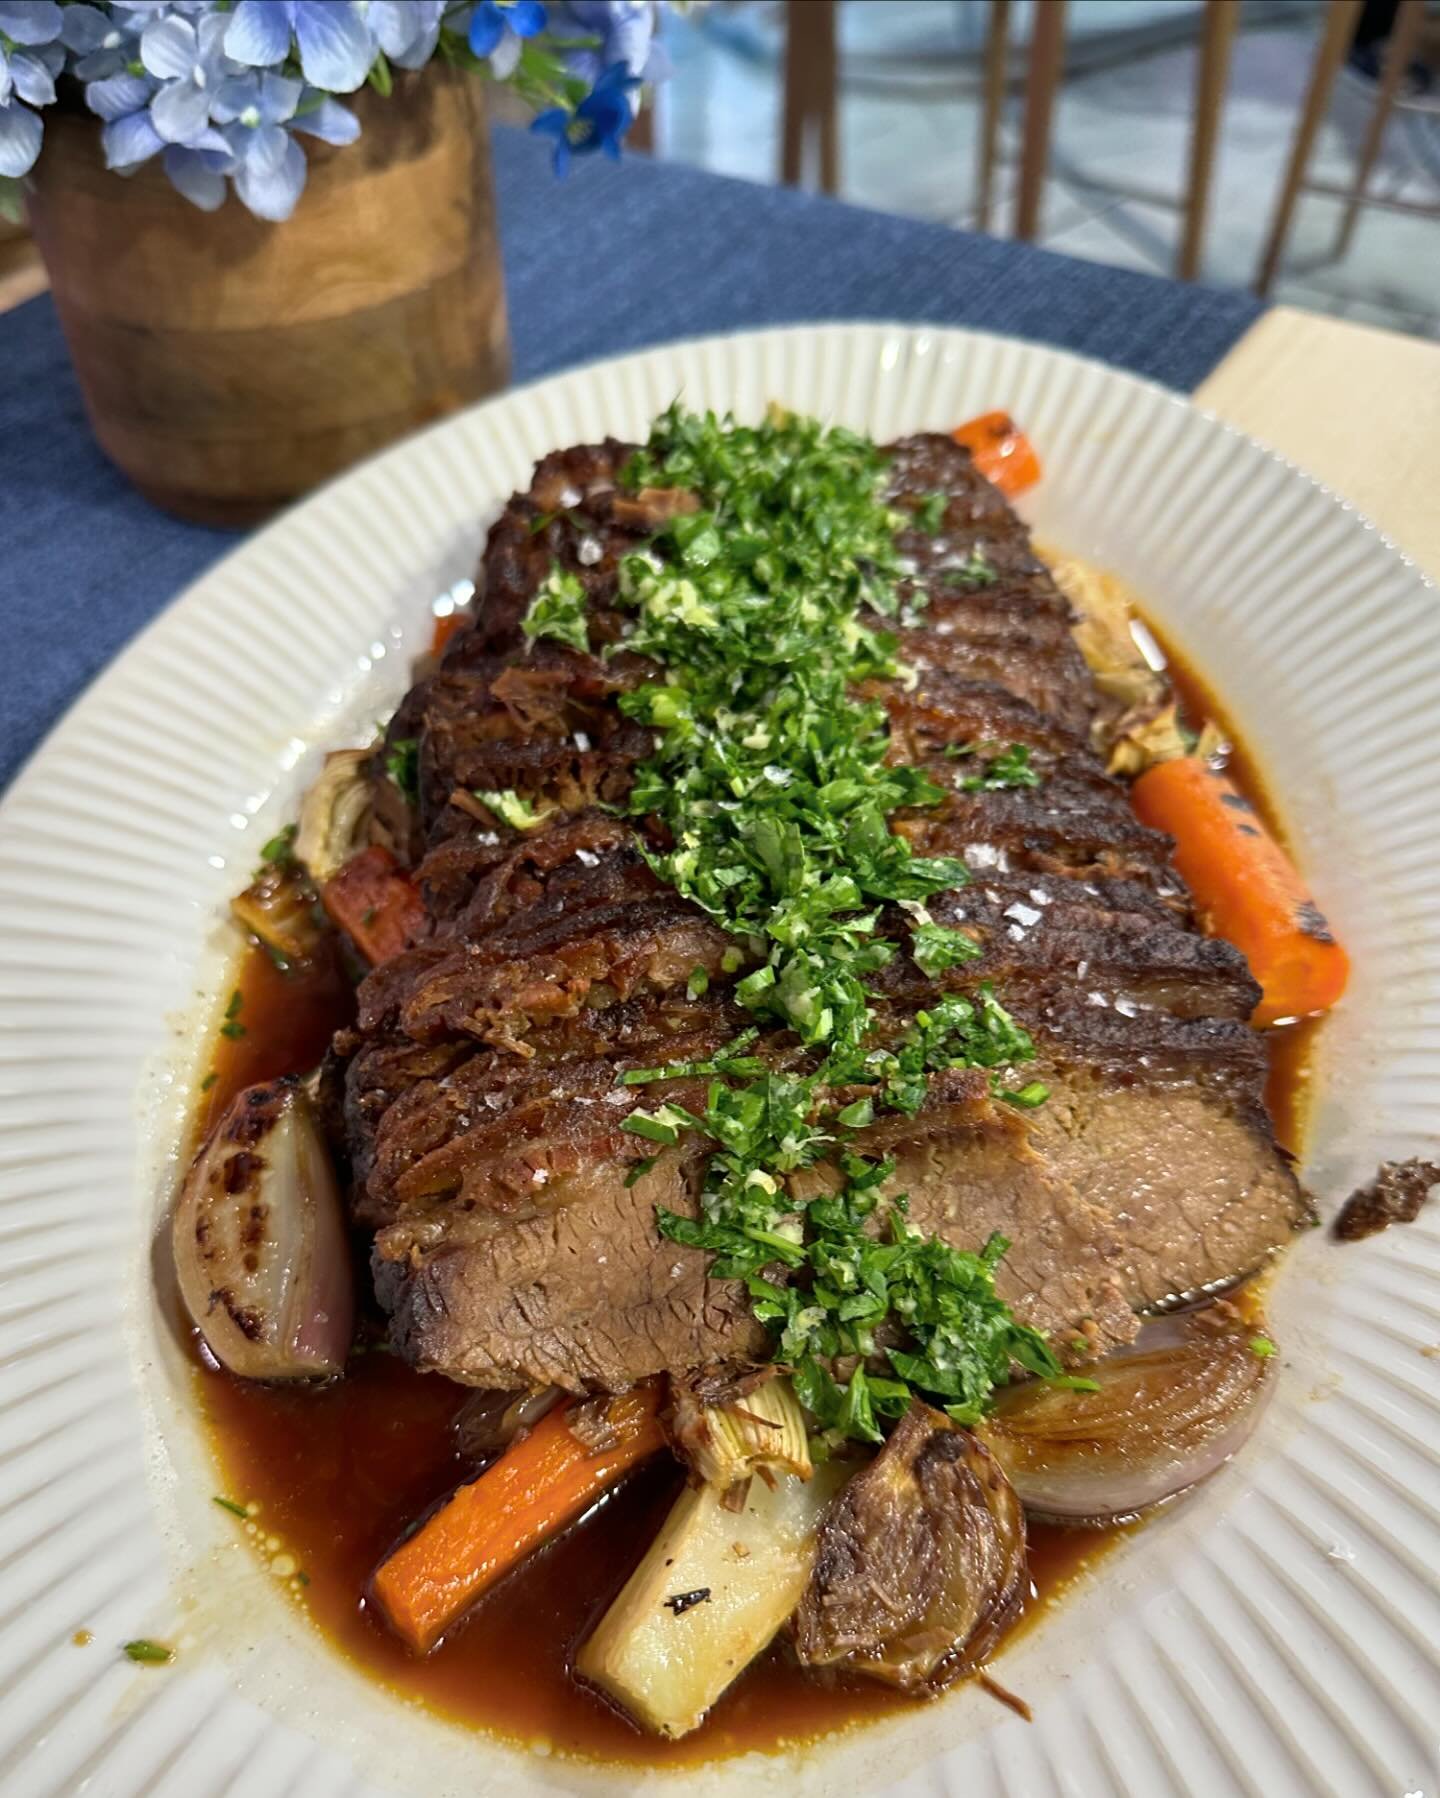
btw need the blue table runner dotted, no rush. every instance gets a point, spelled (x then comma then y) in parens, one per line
(612, 259)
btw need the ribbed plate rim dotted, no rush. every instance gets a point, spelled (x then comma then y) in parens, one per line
(204, 1732)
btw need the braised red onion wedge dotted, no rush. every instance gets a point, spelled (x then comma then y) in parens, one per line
(259, 1241)
(1164, 1415)
(921, 1564)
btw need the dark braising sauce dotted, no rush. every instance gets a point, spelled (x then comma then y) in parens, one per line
(282, 1025)
(1287, 1093)
(339, 1473)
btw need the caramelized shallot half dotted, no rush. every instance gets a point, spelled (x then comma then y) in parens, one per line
(281, 909)
(1165, 1414)
(259, 1241)
(335, 813)
(921, 1565)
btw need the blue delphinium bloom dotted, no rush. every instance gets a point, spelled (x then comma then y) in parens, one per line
(337, 48)
(30, 59)
(497, 28)
(406, 30)
(599, 122)
(626, 30)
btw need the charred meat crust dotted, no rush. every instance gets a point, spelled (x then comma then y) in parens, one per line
(481, 1105)
(1395, 1196)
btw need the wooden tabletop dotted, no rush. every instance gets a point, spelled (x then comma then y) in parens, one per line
(1357, 408)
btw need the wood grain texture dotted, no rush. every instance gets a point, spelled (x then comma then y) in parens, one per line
(1336, 33)
(1042, 80)
(997, 55)
(1399, 53)
(811, 81)
(229, 364)
(1217, 36)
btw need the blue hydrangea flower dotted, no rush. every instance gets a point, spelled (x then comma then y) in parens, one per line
(336, 45)
(189, 62)
(198, 174)
(101, 44)
(497, 28)
(271, 177)
(127, 137)
(30, 21)
(319, 115)
(253, 112)
(30, 59)
(258, 113)
(199, 83)
(599, 122)
(256, 100)
(406, 30)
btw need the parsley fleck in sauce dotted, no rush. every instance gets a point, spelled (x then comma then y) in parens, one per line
(232, 1027)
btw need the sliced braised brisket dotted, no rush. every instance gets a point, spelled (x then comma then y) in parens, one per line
(515, 1241)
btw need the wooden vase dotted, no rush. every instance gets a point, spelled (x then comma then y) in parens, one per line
(228, 364)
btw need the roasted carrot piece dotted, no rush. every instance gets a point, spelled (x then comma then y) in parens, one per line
(1246, 888)
(540, 1484)
(1001, 451)
(379, 906)
(446, 628)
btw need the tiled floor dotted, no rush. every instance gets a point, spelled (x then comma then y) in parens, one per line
(910, 115)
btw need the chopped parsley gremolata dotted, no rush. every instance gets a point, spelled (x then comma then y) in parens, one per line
(772, 778)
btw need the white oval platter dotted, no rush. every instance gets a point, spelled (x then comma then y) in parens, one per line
(1278, 1635)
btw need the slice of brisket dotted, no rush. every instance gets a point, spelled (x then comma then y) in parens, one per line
(583, 1293)
(515, 1238)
